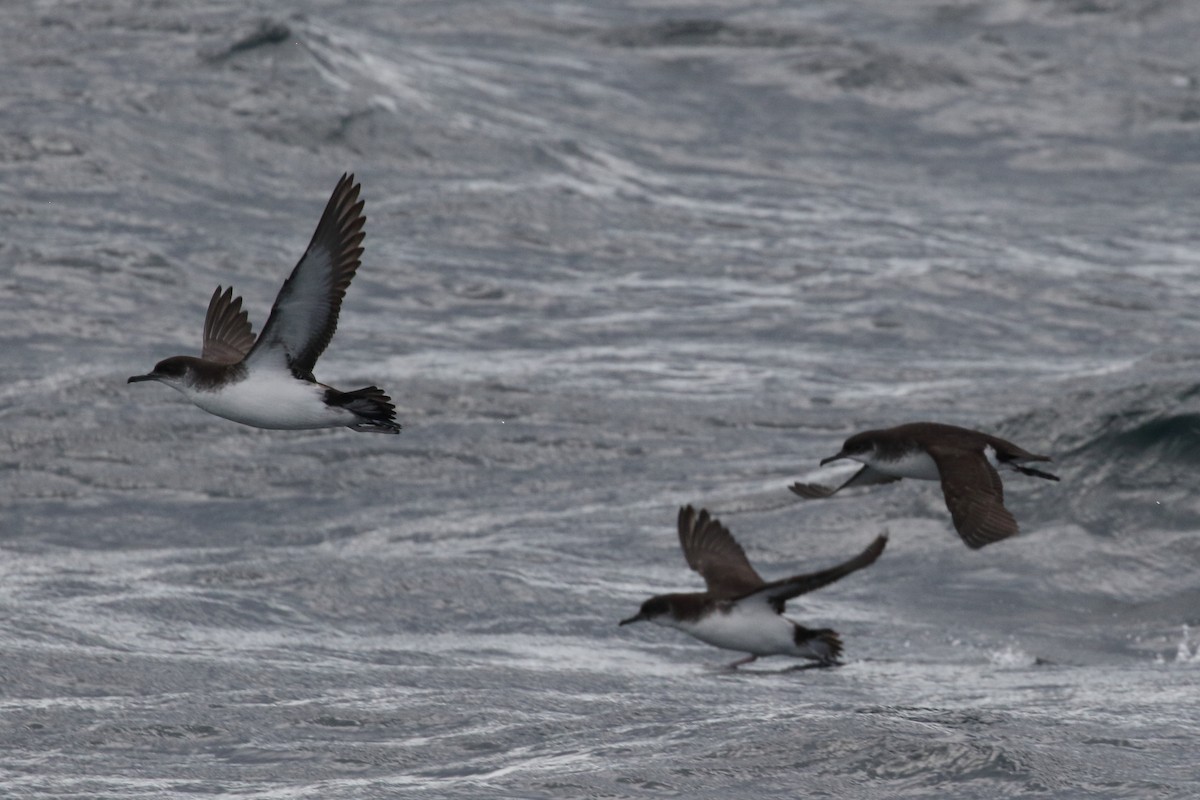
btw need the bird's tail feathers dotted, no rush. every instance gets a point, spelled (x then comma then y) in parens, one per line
(374, 409)
(822, 645)
(1036, 473)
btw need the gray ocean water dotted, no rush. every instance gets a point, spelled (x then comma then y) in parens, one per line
(621, 256)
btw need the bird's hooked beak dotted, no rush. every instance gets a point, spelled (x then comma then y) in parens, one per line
(841, 454)
(638, 617)
(137, 378)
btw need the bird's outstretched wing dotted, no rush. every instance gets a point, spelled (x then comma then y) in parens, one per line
(777, 593)
(975, 496)
(864, 477)
(228, 334)
(711, 550)
(305, 313)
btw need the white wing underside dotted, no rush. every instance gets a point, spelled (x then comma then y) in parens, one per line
(304, 316)
(301, 311)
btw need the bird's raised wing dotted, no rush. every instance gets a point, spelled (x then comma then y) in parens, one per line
(864, 477)
(711, 550)
(777, 593)
(305, 313)
(975, 496)
(228, 334)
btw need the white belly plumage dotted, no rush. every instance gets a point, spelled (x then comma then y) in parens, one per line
(755, 629)
(273, 401)
(916, 464)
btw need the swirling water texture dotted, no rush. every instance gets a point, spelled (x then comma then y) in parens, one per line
(620, 257)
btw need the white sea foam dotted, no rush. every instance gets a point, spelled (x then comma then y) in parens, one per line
(1011, 656)
(619, 257)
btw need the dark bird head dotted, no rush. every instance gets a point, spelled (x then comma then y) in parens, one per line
(189, 374)
(857, 446)
(171, 371)
(651, 609)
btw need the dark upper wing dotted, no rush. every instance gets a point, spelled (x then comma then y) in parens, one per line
(777, 593)
(228, 334)
(711, 550)
(305, 313)
(975, 497)
(864, 477)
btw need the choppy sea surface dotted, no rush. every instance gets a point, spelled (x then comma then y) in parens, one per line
(621, 256)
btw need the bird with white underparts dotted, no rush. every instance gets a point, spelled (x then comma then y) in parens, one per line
(739, 610)
(267, 381)
(963, 460)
